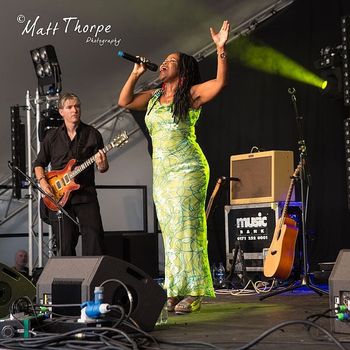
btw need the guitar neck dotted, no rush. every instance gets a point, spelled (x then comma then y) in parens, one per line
(78, 169)
(289, 194)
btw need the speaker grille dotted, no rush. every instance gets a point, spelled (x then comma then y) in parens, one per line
(263, 177)
(255, 179)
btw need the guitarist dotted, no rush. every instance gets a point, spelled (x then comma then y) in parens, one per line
(74, 140)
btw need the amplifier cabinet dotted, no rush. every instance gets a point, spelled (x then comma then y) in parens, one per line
(264, 177)
(253, 226)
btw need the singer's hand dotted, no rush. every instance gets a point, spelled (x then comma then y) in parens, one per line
(221, 37)
(139, 69)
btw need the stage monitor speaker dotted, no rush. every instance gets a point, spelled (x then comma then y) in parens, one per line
(71, 280)
(13, 286)
(264, 177)
(339, 290)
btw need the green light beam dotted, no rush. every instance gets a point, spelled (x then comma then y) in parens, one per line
(267, 59)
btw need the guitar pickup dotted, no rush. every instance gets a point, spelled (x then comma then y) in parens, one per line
(66, 179)
(58, 184)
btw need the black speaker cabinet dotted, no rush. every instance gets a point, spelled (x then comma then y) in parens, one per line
(339, 289)
(139, 249)
(264, 177)
(13, 286)
(71, 280)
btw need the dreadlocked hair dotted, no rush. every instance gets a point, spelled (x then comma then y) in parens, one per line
(188, 76)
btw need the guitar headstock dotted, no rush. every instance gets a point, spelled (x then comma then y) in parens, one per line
(120, 140)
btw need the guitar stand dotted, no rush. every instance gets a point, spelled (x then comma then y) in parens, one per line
(305, 279)
(237, 259)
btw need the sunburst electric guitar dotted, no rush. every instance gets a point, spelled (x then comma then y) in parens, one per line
(62, 181)
(280, 257)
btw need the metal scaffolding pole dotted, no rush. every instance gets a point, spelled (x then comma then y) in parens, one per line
(30, 187)
(40, 224)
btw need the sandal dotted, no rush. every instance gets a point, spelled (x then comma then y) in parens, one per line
(189, 304)
(171, 303)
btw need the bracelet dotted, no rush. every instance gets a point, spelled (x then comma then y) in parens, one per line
(43, 177)
(222, 54)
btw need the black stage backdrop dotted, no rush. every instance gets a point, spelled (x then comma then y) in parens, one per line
(256, 110)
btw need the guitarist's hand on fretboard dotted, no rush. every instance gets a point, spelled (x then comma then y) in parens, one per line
(101, 161)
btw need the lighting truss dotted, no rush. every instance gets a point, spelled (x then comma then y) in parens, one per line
(345, 33)
(347, 156)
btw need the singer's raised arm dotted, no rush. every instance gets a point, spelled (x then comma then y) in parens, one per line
(127, 98)
(205, 92)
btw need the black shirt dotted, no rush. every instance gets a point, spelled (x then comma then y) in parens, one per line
(58, 149)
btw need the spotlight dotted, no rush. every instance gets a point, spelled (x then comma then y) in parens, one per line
(329, 66)
(47, 70)
(332, 86)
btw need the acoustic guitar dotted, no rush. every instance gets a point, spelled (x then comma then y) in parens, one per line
(280, 256)
(62, 181)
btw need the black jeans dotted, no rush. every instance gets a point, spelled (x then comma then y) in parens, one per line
(90, 227)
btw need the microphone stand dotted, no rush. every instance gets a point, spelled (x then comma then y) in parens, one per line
(305, 180)
(221, 180)
(60, 211)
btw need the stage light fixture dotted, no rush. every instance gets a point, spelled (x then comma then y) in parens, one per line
(329, 67)
(332, 86)
(330, 58)
(47, 70)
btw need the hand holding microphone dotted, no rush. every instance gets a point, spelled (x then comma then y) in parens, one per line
(151, 66)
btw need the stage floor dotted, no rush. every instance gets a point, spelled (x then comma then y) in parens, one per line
(229, 321)
(232, 321)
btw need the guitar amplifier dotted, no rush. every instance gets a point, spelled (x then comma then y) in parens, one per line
(252, 227)
(264, 177)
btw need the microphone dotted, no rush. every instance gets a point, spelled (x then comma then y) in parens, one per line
(230, 178)
(151, 66)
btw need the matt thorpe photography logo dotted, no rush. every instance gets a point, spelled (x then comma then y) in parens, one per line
(96, 33)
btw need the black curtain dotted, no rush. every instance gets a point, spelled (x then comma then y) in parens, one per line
(255, 109)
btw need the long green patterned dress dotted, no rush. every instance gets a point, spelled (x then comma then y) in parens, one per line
(180, 181)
